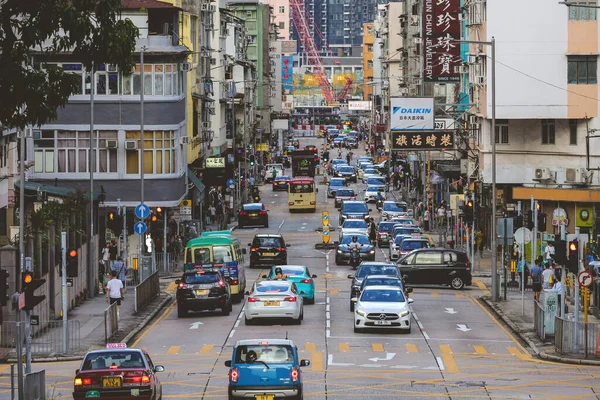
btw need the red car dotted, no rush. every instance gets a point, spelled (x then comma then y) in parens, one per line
(118, 373)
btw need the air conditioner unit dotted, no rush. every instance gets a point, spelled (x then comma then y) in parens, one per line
(412, 92)
(414, 20)
(480, 80)
(212, 8)
(203, 7)
(131, 145)
(472, 119)
(576, 175)
(475, 127)
(542, 174)
(185, 140)
(185, 66)
(213, 61)
(206, 125)
(472, 58)
(112, 144)
(461, 69)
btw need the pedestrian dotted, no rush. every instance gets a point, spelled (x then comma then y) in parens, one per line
(523, 277)
(115, 291)
(441, 214)
(426, 216)
(536, 278)
(121, 269)
(547, 277)
(114, 251)
(106, 256)
(549, 252)
(177, 247)
(213, 214)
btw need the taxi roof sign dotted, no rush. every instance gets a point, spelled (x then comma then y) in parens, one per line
(116, 345)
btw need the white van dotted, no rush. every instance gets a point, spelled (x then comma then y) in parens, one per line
(272, 171)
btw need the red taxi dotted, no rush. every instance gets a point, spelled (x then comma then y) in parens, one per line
(118, 373)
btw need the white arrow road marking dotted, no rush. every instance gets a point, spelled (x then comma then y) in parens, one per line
(463, 327)
(195, 325)
(330, 362)
(451, 311)
(388, 357)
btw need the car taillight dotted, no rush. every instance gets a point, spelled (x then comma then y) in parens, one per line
(305, 281)
(283, 172)
(233, 282)
(221, 283)
(253, 299)
(294, 374)
(243, 213)
(468, 265)
(254, 248)
(78, 382)
(182, 286)
(312, 203)
(291, 299)
(234, 375)
(291, 203)
(140, 379)
(281, 249)
(263, 213)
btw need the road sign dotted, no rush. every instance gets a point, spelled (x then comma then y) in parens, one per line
(585, 279)
(139, 227)
(523, 236)
(326, 235)
(142, 211)
(325, 217)
(508, 222)
(185, 203)
(230, 182)
(34, 320)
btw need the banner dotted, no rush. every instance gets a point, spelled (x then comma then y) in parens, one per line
(441, 29)
(288, 46)
(411, 113)
(359, 105)
(426, 140)
(287, 75)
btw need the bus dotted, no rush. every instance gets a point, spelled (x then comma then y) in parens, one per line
(219, 250)
(302, 194)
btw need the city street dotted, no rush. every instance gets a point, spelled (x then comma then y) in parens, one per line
(457, 348)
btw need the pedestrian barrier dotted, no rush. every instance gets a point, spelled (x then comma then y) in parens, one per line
(538, 320)
(46, 338)
(165, 269)
(564, 337)
(146, 291)
(34, 385)
(111, 322)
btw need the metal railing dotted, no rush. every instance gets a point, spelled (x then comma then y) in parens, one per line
(564, 337)
(147, 290)
(539, 320)
(165, 268)
(111, 322)
(46, 338)
(34, 385)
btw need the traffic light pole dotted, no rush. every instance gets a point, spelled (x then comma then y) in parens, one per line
(576, 313)
(63, 244)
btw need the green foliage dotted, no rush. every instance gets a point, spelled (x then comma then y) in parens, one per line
(53, 212)
(41, 29)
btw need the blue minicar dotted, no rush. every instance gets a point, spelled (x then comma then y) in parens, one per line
(301, 276)
(265, 369)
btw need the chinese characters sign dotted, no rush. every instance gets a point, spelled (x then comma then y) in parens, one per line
(441, 29)
(287, 76)
(423, 140)
(411, 113)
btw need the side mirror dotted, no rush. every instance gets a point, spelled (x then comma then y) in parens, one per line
(316, 190)
(159, 368)
(350, 276)
(411, 300)
(370, 210)
(264, 276)
(287, 245)
(314, 275)
(177, 281)
(247, 293)
(302, 292)
(244, 251)
(228, 363)
(304, 363)
(403, 262)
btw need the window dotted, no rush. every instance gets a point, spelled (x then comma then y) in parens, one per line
(159, 80)
(3, 222)
(428, 258)
(281, 10)
(582, 13)
(44, 152)
(194, 37)
(73, 149)
(159, 153)
(582, 70)
(573, 132)
(370, 48)
(282, 25)
(548, 131)
(501, 131)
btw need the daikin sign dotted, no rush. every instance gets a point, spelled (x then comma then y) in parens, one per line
(412, 113)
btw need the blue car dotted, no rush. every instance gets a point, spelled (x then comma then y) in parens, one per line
(301, 276)
(367, 251)
(265, 369)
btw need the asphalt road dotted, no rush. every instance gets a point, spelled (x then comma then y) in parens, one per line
(457, 349)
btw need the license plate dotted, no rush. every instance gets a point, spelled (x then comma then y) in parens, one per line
(111, 382)
(253, 214)
(298, 201)
(268, 254)
(202, 292)
(272, 303)
(383, 322)
(265, 397)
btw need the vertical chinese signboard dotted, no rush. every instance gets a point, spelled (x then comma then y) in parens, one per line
(441, 29)
(287, 76)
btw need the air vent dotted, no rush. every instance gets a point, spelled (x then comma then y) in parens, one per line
(131, 145)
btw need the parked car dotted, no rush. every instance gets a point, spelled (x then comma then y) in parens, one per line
(382, 307)
(268, 249)
(436, 267)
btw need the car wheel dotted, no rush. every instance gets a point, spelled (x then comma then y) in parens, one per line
(230, 304)
(248, 321)
(182, 312)
(251, 266)
(298, 321)
(357, 330)
(230, 395)
(457, 283)
(226, 309)
(240, 226)
(409, 329)
(311, 300)
(337, 261)
(351, 306)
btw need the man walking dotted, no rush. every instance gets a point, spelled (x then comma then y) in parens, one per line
(121, 269)
(536, 277)
(115, 291)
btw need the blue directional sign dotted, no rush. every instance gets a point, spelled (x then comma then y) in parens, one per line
(230, 182)
(142, 211)
(139, 228)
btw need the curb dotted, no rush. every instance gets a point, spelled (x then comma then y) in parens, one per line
(540, 353)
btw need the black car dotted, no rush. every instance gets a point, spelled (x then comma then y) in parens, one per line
(267, 250)
(436, 267)
(347, 172)
(281, 183)
(381, 280)
(202, 289)
(253, 214)
(370, 268)
(354, 210)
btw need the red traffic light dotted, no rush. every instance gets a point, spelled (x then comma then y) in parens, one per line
(72, 253)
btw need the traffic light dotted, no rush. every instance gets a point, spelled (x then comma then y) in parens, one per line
(72, 263)
(530, 222)
(518, 222)
(3, 286)
(541, 222)
(573, 251)
(114, 222)
(28, 287)
(326, 156)
(468, 210)
(560, 252)
(252, 160)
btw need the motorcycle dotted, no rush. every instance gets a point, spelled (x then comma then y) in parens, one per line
(379, 204)
(354, 258)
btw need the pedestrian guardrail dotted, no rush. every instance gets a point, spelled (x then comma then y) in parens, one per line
(565, 339)
(163, 268)
(146, 291)
(46, 338)
(539, 320)
(111, 322)
(34, 385)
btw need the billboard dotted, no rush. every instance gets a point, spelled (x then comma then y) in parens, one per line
(423, 140)
(287, 73)
(288, 46)
(411, 113)
(441, 29)
(359, 105)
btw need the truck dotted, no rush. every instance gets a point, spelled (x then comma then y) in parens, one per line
(304, 163)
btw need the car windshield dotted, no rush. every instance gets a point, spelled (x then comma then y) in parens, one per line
(301, 187)
(385, 227)
(373, 189)
(370, 171)
(394, 207)
(282, 178)
(406, 231)
(377, 270)
(336, 182)
(362, 239)
(356, 208)
(253, 207)
(399, 238)
(354, 224)
(344, 193)
(202, 255)
(383, 295)
(269, 354)
(201, 277)
(272, 287)
(290, 271)
(383, 282)
(222, 254)
(346, 169)
(375, 181)
(414, 244)
(269, 242)
(113, 359)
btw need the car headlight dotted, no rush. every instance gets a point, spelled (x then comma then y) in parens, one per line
(404, 313)
(384, 214)
(353, 174)
(361, 313)
(340, 252)
(372, 252)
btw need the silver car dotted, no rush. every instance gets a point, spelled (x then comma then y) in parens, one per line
(393, 209)
(352, 227)
(371, 193)
(395, 246)
(274, 299)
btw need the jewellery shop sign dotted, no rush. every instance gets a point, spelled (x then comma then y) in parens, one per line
(422, 140)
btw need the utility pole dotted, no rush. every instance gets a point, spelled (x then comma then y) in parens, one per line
(90, 268)
(143, 236)
(20, 314)
(65, 301)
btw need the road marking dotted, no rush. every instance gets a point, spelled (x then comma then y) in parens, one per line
(308, 346)
(316, 361)
(460, 296)
(334, 292)
(207, 348)
(435, 294)
(411, 348)
(280, 225)
(330, 361)
(196, 325)
(162, 316)
(445, 348)
(344, 347)
(479, 284)
(328, 307)
(451, 311)
(425, 335)
(377, 347)
(480, 350)
(515, 352)
(237, 323)
(231, 334)
(171, 288)
(388, 357)
(173, 350)
(462, 327)
(420, 325)
(440, 363)
(450, 364)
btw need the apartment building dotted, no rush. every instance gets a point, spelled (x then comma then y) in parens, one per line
(282, 18)
(368, 41)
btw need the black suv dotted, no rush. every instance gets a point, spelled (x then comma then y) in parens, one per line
(347, 172)
(369, 268)
(267, 250)
(354, 210)
(202, 289)
(436, 267)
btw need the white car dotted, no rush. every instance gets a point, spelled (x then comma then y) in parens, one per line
(272, 171)
(371, 193)
(352, 227)
(369, 173)
(274, 299)
(393, 209)
(395, 245)
(382, 307)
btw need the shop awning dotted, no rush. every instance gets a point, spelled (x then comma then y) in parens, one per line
(557, 194)
(198, 185)
(58, 191)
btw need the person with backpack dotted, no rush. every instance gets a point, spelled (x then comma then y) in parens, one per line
(536, 278)
(121, 269)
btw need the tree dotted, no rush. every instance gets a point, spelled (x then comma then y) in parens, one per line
(36, 30)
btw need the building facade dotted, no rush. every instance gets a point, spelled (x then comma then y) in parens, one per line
(281, 18)
(368, 41)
